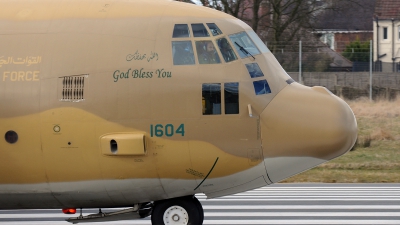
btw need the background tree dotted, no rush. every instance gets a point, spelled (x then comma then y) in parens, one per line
(281, 21)
(357, 51)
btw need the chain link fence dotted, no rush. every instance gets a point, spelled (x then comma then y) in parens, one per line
(344, 70)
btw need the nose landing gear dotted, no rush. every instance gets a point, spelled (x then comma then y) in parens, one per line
(183, 211)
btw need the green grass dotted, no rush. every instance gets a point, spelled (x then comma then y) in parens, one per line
(376, 157)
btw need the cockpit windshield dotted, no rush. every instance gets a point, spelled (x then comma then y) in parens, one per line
(209, 48)
(226, 50)
(260, 44)
(244, 45)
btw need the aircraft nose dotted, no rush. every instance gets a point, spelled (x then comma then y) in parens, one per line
(303, 127)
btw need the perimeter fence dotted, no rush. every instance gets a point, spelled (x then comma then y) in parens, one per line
(345, 70)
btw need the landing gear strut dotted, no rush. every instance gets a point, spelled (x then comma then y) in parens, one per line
(183, 211)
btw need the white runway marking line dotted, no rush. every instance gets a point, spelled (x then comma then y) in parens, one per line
(319, 190)
(322, 189)
(332, 187)
(339, 222)
(308, 196)
(247, 222)
(344, 207)
(322, 192)
(302, 214)
(304, 199)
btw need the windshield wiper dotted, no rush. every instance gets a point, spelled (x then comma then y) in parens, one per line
(244, 50)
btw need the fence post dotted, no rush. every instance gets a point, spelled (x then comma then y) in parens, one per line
(370, 70)
(300, 75)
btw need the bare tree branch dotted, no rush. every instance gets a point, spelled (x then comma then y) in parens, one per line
(281, 20)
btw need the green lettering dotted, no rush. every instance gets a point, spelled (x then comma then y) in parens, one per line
(181, 130)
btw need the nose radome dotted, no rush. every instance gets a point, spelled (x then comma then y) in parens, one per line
(303, 127)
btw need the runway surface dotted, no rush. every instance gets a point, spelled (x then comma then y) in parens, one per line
(277, 204)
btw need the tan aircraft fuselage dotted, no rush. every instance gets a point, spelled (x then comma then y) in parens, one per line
(94, 113)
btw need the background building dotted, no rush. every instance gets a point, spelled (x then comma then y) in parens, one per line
(387, 36)
(337, 28)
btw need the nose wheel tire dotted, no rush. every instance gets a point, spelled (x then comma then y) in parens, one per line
(182, 211)
(199, 208)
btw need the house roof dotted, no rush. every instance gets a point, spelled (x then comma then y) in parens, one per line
(351, 17)
(338, 59)
(387, 9)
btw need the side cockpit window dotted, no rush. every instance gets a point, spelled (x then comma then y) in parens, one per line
(226, 50)
(244, 45)
(182, 53)
(211, 99)
(254, 70)
(214, 29)
(199, 30)
(261, 87)
(181, 30)
(207, 53)
(231, 98)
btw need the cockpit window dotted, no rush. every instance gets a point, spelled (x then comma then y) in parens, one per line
(182, 53)
(211, 99)
(244, 45)
(226, 50)
(231, 98)
(206, 52)
(199, 30)
(260, 44)
(254, 70)
(214, 29)
(181, 30)
(261, 87)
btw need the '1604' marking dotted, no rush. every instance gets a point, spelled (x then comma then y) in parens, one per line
(168, 130)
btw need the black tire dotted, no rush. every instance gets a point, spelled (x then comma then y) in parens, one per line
(199, 208)
(182, 209)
